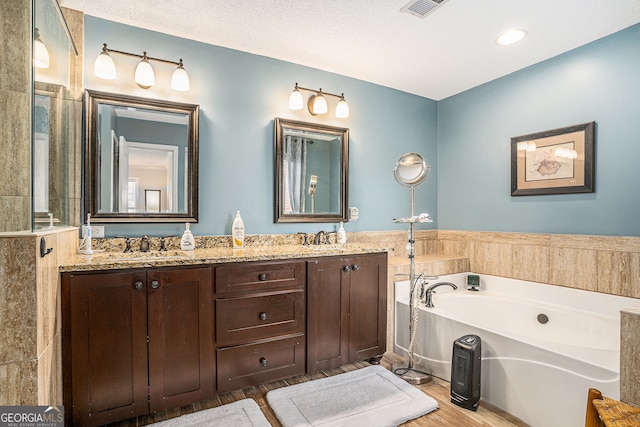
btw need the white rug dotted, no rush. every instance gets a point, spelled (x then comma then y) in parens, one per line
(242, 413)
(370, 396)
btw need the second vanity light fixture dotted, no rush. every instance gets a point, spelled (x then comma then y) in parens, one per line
(317, 103)
(105, 68)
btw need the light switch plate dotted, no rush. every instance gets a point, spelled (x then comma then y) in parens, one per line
(97, 231)
(354, 214)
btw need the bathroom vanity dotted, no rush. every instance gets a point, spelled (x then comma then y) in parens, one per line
(143, 335)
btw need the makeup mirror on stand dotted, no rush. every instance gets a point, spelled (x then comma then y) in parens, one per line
(412, 170)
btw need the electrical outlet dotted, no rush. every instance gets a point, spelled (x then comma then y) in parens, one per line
(354, 214)
(97, 231)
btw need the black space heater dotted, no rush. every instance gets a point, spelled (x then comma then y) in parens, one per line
(465, 372)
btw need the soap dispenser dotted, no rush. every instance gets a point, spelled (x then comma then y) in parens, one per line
(187, 243)
(342, 235)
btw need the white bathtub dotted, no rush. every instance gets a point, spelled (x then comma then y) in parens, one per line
(538, 372)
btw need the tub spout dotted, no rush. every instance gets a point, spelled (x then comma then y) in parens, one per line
(431, 290)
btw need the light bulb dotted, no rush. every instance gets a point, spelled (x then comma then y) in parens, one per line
(180, 79)
(319, 104)
(342, 109)
(104, 67)
(295, 99)
(144, 76)
(40, 52)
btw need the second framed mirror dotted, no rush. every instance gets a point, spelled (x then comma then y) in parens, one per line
(311, 170)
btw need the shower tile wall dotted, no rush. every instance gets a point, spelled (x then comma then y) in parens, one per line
(15, 106)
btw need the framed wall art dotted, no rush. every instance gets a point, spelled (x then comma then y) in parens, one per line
(558, 161)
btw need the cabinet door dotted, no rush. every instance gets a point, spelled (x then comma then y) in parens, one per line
(181, 360)
(104, 324)
(327, 314)
(367, 306)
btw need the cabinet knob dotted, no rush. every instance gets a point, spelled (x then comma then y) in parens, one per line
(263, 361)
(355, 267)
(263, 316)
(155, 284)
(138, 285)
(346, 268)
(262, 276)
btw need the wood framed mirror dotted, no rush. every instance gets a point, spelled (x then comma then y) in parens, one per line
(311, 170)
(135, 147)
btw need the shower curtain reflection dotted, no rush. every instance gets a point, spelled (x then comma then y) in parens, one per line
(294, 167)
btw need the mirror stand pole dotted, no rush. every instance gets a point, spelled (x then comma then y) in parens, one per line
(407, 371)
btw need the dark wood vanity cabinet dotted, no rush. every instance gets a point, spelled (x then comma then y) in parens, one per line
(260, 322)
(346, 310)
(135, 342)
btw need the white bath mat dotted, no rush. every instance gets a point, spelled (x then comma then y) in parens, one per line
(371, 396)
(243, 413)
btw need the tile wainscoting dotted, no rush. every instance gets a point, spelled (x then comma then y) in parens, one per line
(605, 264)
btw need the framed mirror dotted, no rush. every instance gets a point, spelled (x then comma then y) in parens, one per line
(141, 159)
(311, 164)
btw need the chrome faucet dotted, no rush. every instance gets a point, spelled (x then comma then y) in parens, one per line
(319, 238)
(431, 290)
(144, 244)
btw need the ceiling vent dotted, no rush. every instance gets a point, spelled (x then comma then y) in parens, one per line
(421, 8)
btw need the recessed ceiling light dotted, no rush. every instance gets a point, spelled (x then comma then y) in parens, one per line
(511, 37)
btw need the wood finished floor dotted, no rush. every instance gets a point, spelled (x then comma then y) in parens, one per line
(447, 414)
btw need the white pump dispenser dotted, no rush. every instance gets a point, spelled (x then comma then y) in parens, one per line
(187, 243)
(237, 231)
(342, 235)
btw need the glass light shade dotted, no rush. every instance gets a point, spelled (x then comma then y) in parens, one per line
(144, 77)
(511, 37)
(320, 104)
(342, 109)
(104, 66)
(180, 79)
(295, 100)
(40, 54)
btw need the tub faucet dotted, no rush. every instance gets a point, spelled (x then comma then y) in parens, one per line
(431, 290)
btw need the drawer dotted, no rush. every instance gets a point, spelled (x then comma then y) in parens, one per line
(259, 316)
(247, 365)
(257, 277)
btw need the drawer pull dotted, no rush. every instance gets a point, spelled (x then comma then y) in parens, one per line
(346, 268)
(138, 285)
(263, 361)
(155, 284)
(262, 277)
(355, 267)
(263, 316)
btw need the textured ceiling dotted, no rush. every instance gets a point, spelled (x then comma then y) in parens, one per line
(451, 50)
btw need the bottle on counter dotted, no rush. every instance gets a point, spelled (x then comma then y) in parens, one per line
(342, 235)
(237, 232)
(187, 242)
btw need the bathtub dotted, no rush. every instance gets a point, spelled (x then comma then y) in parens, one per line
(538, 372)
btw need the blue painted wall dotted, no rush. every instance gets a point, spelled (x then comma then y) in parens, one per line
(466, 137)
(597, 82)
(239, 95)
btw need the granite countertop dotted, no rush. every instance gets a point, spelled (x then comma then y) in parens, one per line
(112, 260)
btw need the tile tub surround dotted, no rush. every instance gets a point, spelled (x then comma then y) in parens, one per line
(30, 365)
(630, 356)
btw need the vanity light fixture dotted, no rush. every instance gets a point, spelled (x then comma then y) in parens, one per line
(317, 103)
(40, 52)
(144, 76)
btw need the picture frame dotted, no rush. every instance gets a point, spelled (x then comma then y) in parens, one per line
(558, 161)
